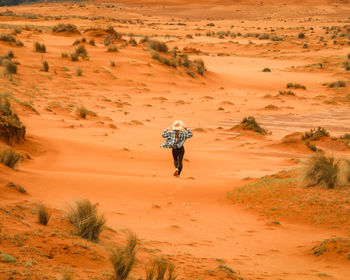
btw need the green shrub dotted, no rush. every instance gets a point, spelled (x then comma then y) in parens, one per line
(64, 54)
(321, 170)
(112, 63)
(311, 146)
(266, 70)
(157, 46)
(112, 48)
(86, 220)
(45, 67)
(315, 134)
(347, 65)
(123, 258)
(6, 258)
(301, 35)
(44, 214)
(305, 46)
(249, 123)
(92, 42)
(295, 86)
(68, 28)
(10, 157)
(39, 47)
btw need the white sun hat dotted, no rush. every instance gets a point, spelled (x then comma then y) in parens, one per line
(177, 125)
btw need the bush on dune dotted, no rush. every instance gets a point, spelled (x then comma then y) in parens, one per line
(315, 134)
(160, 269)
(123, 258)
(39, 47)
(249, 123)
(11, 128)
(322, 170)
(10, 157)
(68, 28)
(86, 219)
(157, 46)
(9, 67)
(44, 214)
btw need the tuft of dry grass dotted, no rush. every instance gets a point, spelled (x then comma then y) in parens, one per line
(323, 170)
(41, 48)
(160, 269)
(44, 214)
(86, 219)
(10, 157)
(83, 112)
(123, 258)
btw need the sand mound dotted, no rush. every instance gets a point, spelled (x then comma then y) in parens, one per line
(292, 142)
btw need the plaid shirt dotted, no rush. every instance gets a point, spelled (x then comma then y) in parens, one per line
(173, 142)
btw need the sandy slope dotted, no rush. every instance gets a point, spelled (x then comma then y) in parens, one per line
(123, 168)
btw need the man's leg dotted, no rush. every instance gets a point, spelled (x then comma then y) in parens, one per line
(180, 158)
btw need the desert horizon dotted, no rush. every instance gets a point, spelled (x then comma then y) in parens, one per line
(89, 93)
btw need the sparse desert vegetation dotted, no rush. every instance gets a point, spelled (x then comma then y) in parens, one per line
(86, 219)
(249, 123)
(97, 82)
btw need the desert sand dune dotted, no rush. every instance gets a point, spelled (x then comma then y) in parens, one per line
(112, 156)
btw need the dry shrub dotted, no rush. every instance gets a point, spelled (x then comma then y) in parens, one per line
(295, 86)
(323, 170)
(81, 51)
(83, 112)
(9, 67)
(123, 258)
(87, 221)
(7, 38)
(39, 47)
(157, 46)
(11, 128)
(249, 123)
(17, 187)
(68, 28)
(45, 67)
(160, 269)
(44, 214)
(112, 48)
(10, 157)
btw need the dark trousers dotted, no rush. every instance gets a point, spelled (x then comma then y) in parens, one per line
(178, 155)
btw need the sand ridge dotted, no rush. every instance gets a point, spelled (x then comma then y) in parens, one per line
(113, 157)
